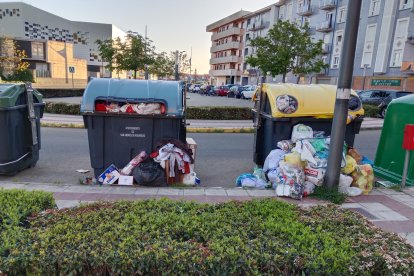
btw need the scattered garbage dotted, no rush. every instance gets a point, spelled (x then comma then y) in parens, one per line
(171, 162)
(298, 165)
(82, 171)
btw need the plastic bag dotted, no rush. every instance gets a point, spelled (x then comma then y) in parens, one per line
(355, 154)
(345, 182)
(285, 145)
(150, 174)
(314, 175)
(301, 131)
(190, 179)
(353, 191)
(350, 165)
(363, 178)
(292, 176)
(273, 159)
(293, 159)
(249, 180)
(308, 188)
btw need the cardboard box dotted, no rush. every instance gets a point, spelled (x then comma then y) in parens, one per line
(126, 180)
(109, 176)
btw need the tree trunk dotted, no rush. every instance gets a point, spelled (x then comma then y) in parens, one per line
(135, 74)
(298, 79)
(284, 78)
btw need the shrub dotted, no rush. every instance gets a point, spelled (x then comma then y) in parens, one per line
(16, 206)
(167, 237)
(196, 113)
(371, 110)
(62, 108)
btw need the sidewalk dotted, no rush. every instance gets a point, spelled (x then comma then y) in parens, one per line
(367, 124)
(390, 210)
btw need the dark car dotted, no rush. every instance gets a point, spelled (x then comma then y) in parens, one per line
(381, 98)
(235, 91)
(208, 90)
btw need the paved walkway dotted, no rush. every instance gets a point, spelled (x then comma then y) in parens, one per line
(368, 123)
(388, 209)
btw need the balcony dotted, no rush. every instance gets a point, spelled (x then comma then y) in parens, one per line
(228, 59)
(410, 39)
(225, 72)
(226, 46)
(255, 26)
(41, 73)
(327, 4)
(324, 27)
(280, 2)
(305, 10)
(226, 33)
(326, 48)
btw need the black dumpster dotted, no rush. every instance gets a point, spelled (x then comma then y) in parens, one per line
(125, 117)
(21, 108)
(282, 106)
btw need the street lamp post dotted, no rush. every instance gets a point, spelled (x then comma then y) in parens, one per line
(365, 71)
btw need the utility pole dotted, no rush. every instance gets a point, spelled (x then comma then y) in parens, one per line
(191, 56)
(146, 65)
(343, 94)
(177, 77)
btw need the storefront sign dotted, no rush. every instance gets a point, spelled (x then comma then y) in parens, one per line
(385, 82)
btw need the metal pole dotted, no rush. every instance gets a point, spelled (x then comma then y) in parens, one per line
(146, 66)
(343, 94)
(177, 77)
(405, 171)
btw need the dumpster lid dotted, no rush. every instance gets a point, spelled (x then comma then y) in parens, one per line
(298, 100)
(11, 92)
(147, 91)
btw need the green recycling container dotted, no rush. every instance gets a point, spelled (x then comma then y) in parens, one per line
(389, 159)
(20, 135)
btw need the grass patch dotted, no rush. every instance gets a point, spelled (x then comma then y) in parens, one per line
(329, 194)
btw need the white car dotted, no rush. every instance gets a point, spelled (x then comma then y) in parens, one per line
(248, 91)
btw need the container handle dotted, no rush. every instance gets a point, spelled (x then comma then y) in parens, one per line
(15, 161)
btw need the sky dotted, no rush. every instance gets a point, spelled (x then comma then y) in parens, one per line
(171, 24)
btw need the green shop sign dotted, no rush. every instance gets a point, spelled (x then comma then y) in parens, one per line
(385, 82)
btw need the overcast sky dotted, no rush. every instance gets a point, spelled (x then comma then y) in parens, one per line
(171, 24)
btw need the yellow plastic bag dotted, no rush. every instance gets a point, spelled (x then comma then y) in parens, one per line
(363, 178)
(350, 165)
(293, 159)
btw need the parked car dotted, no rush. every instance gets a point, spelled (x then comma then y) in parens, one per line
(235, 91)
(381, 98)
(222, 90)
(248, 91)
(196, 88)
(207, 90)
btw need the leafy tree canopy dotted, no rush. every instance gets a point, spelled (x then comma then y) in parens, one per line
(287, 48)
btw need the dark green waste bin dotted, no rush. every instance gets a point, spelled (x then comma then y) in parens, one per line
(284, 105)
(20, 127)
(389, 159)
(117, 132)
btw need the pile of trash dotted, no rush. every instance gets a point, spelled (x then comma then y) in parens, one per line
(170, 162)
(134, 108)
(299, 164)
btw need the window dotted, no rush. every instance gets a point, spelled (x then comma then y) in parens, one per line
(374, 7)
(37, 50)
(406, 4)
(399, 42)
(282, 12)
(335, 62)
(338, 39)
(368, 45)
(247, 37)
(246, 51)
(341, 15)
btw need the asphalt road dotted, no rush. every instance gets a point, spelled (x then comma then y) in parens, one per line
(220, 157)
(192, 100)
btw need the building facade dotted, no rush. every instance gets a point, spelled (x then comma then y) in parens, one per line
(385, 47)
(226, 49)
(54, 44)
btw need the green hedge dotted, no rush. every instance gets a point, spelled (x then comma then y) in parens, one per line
(180, 238)
(15, 207)
(198, 113)
(371, 110)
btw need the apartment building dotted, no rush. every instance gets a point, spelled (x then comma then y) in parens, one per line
(385, 47)
(256, 24)
(57, 48)
(226, 48)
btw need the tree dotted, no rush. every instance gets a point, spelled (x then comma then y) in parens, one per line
(183, 62)
(108, 51)
(137, 53)
(163, 66)
(287, 48)
(12, 64)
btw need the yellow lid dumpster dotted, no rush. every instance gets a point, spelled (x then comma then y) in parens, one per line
(284, 105)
